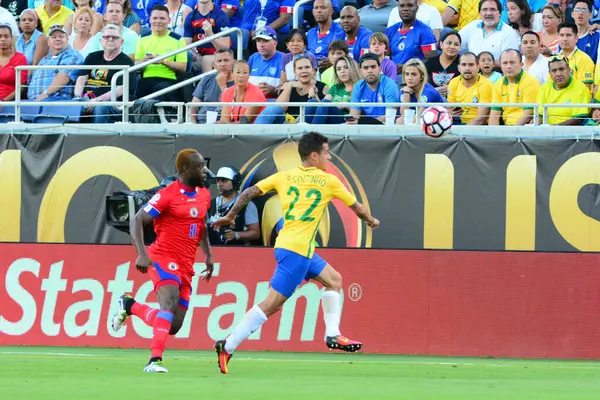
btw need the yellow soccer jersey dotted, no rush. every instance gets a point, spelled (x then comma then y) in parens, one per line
(304, 194)
(480, 92)
(468, 11)
(575, 93)
(582, 66)
(524, 90)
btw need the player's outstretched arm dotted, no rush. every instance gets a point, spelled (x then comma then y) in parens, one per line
(136, 230)
(362, 213)
(241, 202)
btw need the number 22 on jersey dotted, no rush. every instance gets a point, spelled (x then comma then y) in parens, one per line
(312, 194)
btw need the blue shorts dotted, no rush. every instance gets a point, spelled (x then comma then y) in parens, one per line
(292, 269)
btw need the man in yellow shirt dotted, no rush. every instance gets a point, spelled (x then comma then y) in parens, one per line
(160, 41)
(304, 192)
(53, 13)
(563, 89)
(470, 87)
(582, 66)
(517, 87)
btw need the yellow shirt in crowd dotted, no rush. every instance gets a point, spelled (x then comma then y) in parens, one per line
(468, 11)
(524, 90)
(582, 66)
(479, 92)
(575, 92)
(59, 18)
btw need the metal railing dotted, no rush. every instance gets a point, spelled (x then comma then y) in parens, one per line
(144, 64)
(296, 15)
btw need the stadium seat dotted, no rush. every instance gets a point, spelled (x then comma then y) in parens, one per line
(49, 119)
(29, 112)
(64, 114)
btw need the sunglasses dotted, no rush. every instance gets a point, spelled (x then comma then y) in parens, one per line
(111, 37)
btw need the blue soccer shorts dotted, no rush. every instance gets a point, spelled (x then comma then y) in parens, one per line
(292, 269)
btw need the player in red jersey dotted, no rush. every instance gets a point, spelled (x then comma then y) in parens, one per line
(178, 212)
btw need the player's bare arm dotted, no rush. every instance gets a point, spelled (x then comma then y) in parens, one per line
(240, 203)
(136, 230)
(210, 265)
(361, 212)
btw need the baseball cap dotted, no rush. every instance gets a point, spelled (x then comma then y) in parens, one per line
(55, 28)
(226, 173)
(266, 33)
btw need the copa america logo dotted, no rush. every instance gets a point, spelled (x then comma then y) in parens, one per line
(348, 230)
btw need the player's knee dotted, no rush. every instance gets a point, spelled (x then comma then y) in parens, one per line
(270, 307)
(175, 328)
(170, 304)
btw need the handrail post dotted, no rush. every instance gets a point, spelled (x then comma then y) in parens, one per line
(545, 114)
(295, 16)
(18, 71)
(125, 96)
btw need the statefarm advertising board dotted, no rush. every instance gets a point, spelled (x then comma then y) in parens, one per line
(395, 301)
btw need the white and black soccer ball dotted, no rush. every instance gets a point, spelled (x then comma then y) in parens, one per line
(435, 121)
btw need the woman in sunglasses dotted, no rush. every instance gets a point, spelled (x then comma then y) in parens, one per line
(9, 59)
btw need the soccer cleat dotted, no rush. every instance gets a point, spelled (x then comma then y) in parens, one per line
(223, 356)
(121, 316)
(155, 366)
(340, 342)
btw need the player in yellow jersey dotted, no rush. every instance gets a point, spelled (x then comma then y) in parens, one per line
(305, 193)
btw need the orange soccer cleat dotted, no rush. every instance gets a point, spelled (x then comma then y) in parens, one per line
(223, 356)
(340, 342)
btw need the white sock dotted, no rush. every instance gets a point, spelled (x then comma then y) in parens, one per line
(251, 322)
(332, 311)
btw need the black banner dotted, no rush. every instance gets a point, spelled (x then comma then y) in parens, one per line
(451, 192)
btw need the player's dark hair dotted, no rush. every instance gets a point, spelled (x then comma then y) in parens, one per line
(297, 31)
(468, 53)
(338, 45)
(498, 4)
(484, 53)
(225, 50)
(531, 33)
(310, 142)
(183, 158)
(526, 14)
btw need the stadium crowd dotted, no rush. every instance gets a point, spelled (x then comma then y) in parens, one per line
(360, 51)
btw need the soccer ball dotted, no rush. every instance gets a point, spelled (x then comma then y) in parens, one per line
(435, 121)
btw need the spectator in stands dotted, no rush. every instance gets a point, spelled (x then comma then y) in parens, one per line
(520, 17)
(161, 74)
(212, 86)
(346, 76)
(296, 44)
(588, 42)
(9, 59)
(517, 87)
(337, 48)
(55, 84)
(95, 84)
(96, 22)
(551, 17)
(563, 89)
(324, 33)
(460, 13)
(231, 8)
(445, 67)
(373, 89)
(243, 91)
(178, 13)
(410, 38)
(375, 16)
(427, 14)
(379, 44)
(53, 13)
(533, 60)
(80, 38)
(355, 35)
(265, 65)
(581, 64)
(7, 18)
(489, 33)
(32, 42)
(131, 19)
(303, 89)
(114, 16)
(470, 87)
(416, 90)
(205, 21)
(275, 14)
(487, 63)
(535, 6)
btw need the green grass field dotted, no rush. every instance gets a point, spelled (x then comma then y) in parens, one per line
(91, 373)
